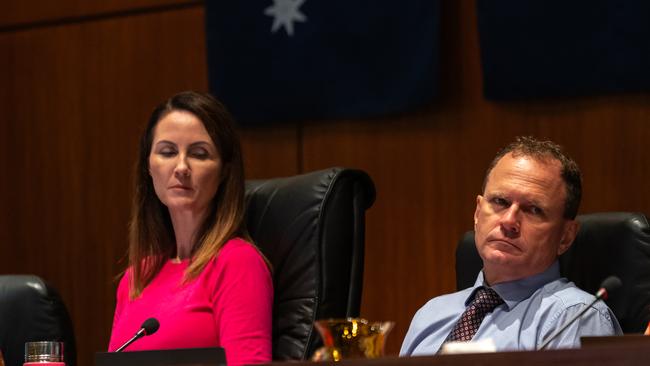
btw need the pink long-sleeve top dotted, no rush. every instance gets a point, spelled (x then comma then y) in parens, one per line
(228, 305)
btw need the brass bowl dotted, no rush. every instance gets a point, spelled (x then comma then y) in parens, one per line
(351, 338)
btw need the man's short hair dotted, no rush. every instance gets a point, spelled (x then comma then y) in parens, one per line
(541, 151)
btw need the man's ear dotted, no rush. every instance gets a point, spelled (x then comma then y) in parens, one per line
(477, 210)
(571, 228)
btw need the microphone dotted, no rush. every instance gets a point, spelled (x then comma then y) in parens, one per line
(148, 327)
(610, 284)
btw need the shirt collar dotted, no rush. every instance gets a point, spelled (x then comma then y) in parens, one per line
(513, 292)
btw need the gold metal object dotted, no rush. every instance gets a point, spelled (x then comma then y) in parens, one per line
(351, 338)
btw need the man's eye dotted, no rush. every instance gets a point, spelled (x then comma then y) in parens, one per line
(535, 210)
(500, 201)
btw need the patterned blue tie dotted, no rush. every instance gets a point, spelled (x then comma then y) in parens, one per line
(485, 300)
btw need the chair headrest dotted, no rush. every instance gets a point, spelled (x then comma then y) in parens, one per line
(608, 243)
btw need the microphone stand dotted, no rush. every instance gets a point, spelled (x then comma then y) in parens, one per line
(562, 328)
(139, 334)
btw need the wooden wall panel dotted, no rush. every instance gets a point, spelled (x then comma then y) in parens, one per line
(16, 13)
(428, 167)
(77, 91)
(75, 99)
(271, 151)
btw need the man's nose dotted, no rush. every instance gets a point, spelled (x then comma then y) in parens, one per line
(510, 224)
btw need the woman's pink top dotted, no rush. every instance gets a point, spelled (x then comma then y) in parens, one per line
(228, 305)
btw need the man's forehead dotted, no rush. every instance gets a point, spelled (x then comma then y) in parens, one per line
(510, 172)
(522, 161)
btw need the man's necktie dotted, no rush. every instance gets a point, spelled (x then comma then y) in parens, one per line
(485, 300)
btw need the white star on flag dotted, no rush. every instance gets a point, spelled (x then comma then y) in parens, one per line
(284, 13)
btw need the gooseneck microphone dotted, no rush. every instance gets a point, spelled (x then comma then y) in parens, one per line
(148, 327)
(610, 284)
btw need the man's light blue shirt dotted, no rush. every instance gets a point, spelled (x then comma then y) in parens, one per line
(533, 308)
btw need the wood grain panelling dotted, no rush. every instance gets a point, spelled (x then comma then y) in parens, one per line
(75, 98)
(20, 13)
(428, 167)
(271, 151)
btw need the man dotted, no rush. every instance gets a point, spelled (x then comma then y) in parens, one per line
(523, 221)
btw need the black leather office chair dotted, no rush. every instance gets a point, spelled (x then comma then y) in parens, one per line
(31, 310)
(608, 243)
(311, 227)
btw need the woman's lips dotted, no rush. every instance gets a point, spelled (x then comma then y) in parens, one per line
(181, 187)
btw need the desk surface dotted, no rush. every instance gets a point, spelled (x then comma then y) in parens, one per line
(632, 353)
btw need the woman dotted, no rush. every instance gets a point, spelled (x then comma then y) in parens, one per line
(191, 264)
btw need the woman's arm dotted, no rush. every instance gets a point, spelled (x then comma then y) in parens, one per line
(243, 304)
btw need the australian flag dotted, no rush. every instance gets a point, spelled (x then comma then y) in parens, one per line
(559, 48)
(283, 60)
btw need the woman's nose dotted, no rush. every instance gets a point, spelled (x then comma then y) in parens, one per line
(182, 169)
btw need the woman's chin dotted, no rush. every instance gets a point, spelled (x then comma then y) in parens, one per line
(178, 205)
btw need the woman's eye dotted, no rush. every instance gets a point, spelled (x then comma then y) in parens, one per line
(167, 152)
(200, 154)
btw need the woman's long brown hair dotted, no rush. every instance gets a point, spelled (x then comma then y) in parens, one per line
(151, 234)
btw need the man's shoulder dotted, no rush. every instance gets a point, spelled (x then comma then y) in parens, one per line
(433, 317)
(562, 299)
(565, 290)
(457, 298)
(566, 294)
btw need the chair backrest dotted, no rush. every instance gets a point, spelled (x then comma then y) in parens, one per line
(608, 243)
(31, 310)
(311, 227)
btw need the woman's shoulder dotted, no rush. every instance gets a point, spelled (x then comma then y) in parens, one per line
(125, 282)
(237, 260)
(238, 249)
